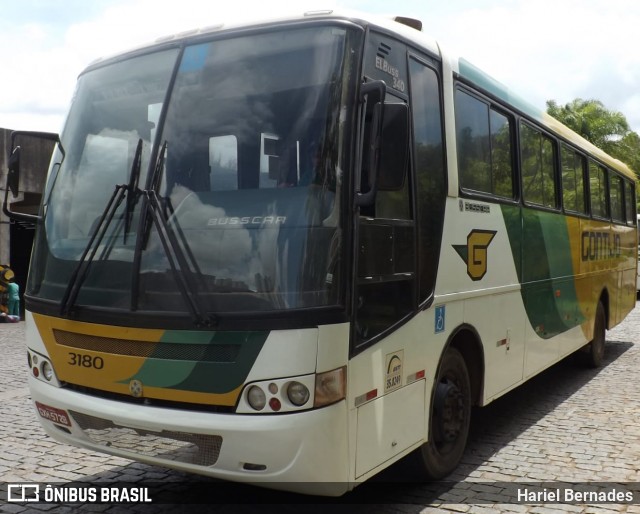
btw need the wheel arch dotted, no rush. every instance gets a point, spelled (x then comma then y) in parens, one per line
(467, 341)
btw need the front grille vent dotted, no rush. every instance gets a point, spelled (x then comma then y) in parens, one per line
(208, 352)
(185, 447)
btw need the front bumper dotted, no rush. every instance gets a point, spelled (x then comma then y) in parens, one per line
(304, 452)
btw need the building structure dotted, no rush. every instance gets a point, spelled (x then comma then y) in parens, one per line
(16, 237)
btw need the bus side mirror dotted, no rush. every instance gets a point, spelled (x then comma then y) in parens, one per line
(30, 153)
(394, 151)
(13, 172)
(372, 96)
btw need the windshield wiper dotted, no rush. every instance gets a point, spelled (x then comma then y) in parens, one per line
(182, 274)
(132, 195)
(182, 262)
(81, 271)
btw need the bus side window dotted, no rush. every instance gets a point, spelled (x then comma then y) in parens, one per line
(537, 154)
(428, 151)
(629, 203)
(616, 187)
(598, 187)
(573, 187)
(485, 156)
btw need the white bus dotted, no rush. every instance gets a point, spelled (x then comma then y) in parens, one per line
(292, 253)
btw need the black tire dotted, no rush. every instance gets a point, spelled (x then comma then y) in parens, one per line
(595, 354)
(449, 420)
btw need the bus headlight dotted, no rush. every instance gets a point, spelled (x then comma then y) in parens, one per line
(298, 393)
(292, 394)
(47, 371)
(41, 368)
(256, 398)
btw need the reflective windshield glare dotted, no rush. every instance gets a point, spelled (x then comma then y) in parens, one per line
(225, 198)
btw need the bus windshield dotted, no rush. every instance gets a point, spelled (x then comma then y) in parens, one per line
(238, 144)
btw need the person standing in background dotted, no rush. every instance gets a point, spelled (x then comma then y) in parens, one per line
(13, 303)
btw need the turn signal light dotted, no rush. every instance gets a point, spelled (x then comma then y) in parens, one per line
(331, 387)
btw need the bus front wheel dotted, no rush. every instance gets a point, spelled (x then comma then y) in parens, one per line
(450, 417)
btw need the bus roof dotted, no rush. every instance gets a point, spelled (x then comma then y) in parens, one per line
(417, 37)
(402, 27)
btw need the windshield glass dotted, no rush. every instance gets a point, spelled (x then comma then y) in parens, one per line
(240, 212)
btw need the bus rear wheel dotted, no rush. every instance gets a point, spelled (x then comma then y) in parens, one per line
(595, 351)
(450, 418)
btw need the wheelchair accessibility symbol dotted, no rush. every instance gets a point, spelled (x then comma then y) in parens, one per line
(439, 321)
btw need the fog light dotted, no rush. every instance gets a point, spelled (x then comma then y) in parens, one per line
(47, 371)
(256, 398)
(275, 404)
(298, 393)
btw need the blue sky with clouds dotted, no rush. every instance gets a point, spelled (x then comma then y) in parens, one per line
(547, 49)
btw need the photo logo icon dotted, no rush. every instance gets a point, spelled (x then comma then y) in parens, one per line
(23, 493)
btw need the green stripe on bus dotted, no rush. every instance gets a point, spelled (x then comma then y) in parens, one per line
(207, 372)
(541, 248)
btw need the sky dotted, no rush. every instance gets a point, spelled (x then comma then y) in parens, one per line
(543, 49)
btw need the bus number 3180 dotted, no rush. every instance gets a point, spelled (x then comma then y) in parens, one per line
(85, 361)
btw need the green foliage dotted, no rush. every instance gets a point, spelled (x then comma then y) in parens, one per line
(628, 150)
(608, 130)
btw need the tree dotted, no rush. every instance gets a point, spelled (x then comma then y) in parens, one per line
(608, 130)
(628, 151)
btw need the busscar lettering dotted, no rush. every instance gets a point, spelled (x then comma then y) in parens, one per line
(246, 220)
(597, 246)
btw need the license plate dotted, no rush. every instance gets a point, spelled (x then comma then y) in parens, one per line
(52, 414)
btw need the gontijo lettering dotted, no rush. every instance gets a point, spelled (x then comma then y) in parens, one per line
(600, 245)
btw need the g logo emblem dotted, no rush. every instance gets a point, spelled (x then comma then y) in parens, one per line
(475, 254)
